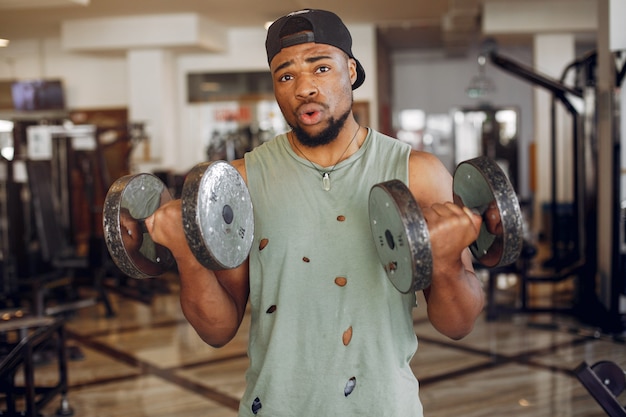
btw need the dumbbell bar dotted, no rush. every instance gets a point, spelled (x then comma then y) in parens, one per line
(217, 220)
(401, 234)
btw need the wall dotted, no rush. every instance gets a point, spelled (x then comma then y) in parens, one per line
(90, 80)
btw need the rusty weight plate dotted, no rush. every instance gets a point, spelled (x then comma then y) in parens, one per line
(217, 215)
(401, 236)
(130, 200)
(482, 185)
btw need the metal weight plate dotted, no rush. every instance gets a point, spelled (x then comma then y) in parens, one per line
(401, 236)
(217, 215)
(481, 185)
(128, 202)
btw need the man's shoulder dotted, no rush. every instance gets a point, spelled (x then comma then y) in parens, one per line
(384, 139)
(270, 144)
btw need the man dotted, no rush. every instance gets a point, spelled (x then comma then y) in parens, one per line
(329, 335)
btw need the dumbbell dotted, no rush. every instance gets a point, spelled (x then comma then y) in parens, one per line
(217, 220)
(401, 233)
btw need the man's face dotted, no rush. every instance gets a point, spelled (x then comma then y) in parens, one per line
(313, 87)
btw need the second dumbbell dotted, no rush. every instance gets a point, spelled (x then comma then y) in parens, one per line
(217, 220)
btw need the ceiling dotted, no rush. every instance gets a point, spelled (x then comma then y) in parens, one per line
(450, 24)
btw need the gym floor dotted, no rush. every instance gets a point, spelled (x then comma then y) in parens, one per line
(148, 361)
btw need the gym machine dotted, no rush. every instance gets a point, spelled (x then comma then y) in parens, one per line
(50, 158)
(579, 260)
(33, 335)
(605, 381)
(40, 260)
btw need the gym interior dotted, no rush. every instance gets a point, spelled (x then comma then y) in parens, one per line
(92, 91)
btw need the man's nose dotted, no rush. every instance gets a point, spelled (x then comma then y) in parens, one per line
(307, 87)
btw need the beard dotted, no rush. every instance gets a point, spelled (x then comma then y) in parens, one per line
(324, 137)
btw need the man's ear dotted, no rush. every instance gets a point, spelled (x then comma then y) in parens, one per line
(352, 69)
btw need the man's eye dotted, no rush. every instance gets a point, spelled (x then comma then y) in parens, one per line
(323, 69)
(285, 77)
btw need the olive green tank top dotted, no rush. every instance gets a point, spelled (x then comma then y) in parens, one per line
(330, 335)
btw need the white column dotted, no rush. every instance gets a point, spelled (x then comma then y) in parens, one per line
(611, 36)
(551, 54)
(152, 100)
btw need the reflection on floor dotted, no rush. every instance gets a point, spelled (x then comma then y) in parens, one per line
(147, 361)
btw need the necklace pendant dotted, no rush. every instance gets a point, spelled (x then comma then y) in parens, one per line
(326, 181)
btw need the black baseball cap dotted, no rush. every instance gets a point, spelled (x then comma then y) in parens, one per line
(310, 25)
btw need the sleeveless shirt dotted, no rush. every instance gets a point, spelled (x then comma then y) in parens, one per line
(330, 335)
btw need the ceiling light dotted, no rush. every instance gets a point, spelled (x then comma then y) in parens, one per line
(4, 43)
(480, 85)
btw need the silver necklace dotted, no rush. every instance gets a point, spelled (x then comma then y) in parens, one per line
(325, 174)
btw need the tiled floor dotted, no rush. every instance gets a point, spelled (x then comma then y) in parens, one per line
(147, 361)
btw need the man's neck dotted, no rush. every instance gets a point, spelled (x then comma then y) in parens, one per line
(347, 143)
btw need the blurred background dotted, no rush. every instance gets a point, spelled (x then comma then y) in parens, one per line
(91, 90)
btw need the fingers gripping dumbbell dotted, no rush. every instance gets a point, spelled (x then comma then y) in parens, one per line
(216, 212)
(401, 234)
